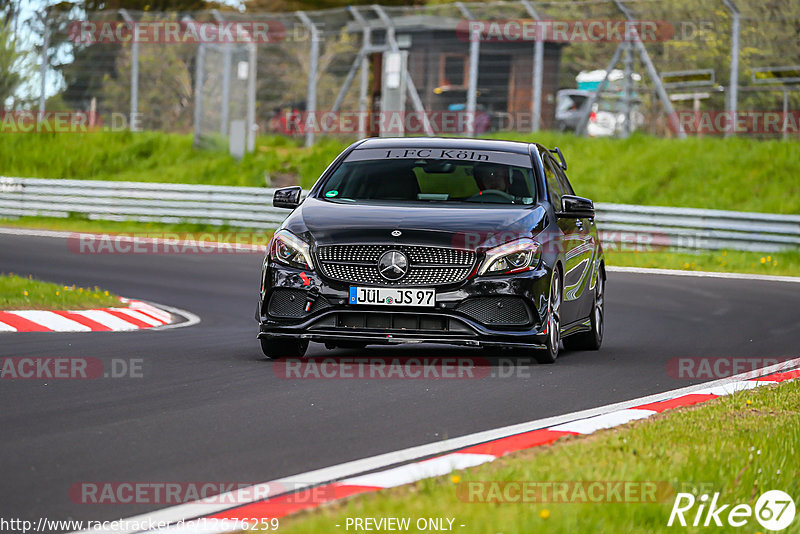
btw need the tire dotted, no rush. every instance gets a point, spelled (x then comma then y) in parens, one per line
(550, 352)
(594, 338)
(276, 349)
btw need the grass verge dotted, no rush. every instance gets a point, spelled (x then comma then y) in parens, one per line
(740, 446)
(20, 293)
(730, 174)
(150, 229)
(727, 261)
(733, 174)
(160, 157)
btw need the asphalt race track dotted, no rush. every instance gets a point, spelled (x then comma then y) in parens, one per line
(209, 408)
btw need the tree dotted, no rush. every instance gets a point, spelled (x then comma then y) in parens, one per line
(165, 87)
(91, 65)
(294, 5)
(11, 58)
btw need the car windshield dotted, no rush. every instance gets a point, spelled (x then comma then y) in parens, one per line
(570, 102)
(439, 180)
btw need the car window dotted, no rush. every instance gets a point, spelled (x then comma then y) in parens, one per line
(430, 180)
(570, 102)
(554, 190)
(566, 187)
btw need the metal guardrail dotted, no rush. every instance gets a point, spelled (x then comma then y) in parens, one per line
(698, 229)
(624, 226)
(248, 207)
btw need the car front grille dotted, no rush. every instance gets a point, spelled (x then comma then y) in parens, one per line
(288, 303)
(428, 266)
(391, 322)
(497, 311)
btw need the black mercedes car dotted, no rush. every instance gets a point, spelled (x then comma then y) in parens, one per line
(428, 240)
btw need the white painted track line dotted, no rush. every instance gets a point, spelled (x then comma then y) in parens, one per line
(704, 274)
(406, 474)
(354, 468)
(599, 422)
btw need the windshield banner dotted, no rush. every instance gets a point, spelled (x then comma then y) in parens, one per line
(466, 155)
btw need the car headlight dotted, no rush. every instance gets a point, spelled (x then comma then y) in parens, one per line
(513, 257)
(288, 249)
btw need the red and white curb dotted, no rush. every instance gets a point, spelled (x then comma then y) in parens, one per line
(137, 315)
(313, 489)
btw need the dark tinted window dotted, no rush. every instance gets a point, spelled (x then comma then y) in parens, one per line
(566, 187)
(453, 70)
(431, 180)
(570, 102)
(554, 190)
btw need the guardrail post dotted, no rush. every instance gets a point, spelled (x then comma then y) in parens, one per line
(134, 70)
(474, 57)
(251, 96)
(226, 79)
(313, 60)
(43, 67)
(413, 94)
(538, 71)
(733, 96)
(199, 74)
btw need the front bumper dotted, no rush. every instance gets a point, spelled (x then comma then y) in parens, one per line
(474, 313)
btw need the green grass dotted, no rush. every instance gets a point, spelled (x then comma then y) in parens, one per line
(731, 174)
(775, 263)
(734, 174)
(148, 229)
(159, 157)
(740, 445)
(20, 293)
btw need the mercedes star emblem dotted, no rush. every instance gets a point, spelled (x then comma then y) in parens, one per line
(396, 233)
(393, 265)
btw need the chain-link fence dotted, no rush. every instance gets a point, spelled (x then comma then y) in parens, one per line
(602, 67)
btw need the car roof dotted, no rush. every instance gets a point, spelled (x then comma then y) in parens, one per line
(446, 142)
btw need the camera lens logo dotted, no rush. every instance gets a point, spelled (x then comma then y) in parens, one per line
(393, 265)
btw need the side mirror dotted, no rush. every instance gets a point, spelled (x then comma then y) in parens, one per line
(576, 207)
(287, 197)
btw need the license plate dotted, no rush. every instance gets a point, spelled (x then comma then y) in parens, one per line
(389, 296)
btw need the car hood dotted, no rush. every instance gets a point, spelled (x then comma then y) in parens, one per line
(470, 228)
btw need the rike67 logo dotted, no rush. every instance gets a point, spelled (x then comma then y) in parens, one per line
(774, 510)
